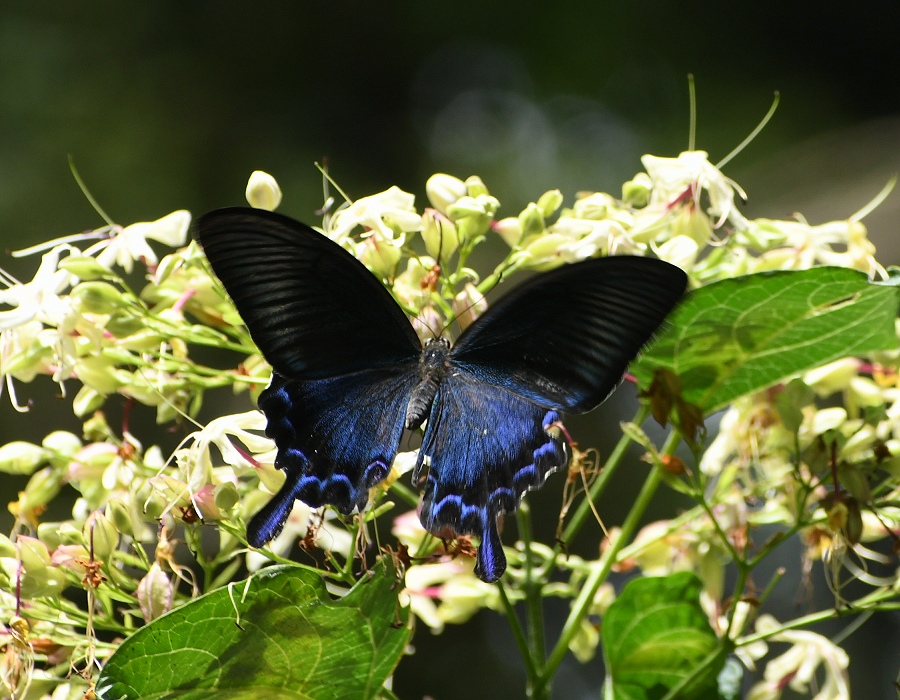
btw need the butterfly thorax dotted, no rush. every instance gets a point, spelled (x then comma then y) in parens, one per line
(433, 367)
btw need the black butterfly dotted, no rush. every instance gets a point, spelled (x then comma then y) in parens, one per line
(350, 373)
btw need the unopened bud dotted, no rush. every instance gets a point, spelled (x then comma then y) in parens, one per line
(443, 190)
(263, 191)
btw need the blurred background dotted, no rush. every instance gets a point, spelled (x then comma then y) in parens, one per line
(171, 105)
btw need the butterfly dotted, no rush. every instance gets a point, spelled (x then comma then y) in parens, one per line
(350, 374)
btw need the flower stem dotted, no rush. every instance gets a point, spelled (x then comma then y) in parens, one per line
(534, 610)
(598, 575)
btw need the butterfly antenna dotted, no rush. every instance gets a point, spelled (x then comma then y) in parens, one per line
(752, 135)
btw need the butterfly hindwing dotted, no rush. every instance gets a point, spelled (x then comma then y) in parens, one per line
(485, 447)
(313, 309)
(336, 439)
(564, 339)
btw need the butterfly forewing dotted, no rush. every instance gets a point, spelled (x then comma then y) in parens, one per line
(564, 339)
(313, 309)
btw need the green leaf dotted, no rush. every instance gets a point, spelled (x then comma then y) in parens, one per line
(279, 635)
(737, 336)
(655, 635)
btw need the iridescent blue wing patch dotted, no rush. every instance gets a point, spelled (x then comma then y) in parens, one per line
(336, 439)
(485, 447)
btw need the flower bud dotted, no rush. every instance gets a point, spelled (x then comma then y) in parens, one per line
(84, 267)
(475, 187)
(549, 202)
(377, 254)
(472, 206)
(226, 496)
(7, 548)
(262, 191)
(439, 234)
(468, 305)
(87, 401)
(443, 190)
(121, 517)
(636, 192)
(100, 536)
(679, 250)
(531, 220)
(40, 490)
(154, 593)
(20, 457)
(98, 373)
(510, 230)
(97, 297)
(39, 577)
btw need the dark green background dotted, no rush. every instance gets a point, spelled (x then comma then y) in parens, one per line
(168, 105)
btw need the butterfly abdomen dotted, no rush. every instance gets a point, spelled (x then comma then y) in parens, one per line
(434, 366)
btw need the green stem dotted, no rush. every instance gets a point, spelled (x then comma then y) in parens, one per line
(533, 588)
(518, 634)
(598, 575)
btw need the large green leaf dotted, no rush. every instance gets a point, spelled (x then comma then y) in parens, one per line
(655, 635)
(737, 336)
(277, 636)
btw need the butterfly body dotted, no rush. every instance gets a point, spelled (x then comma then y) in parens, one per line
(350, 375)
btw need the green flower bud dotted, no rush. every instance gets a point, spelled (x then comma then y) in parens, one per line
(123, 324)
(100, 536)
(39, 576)
(465, 207)
(549, 202)
(262, 191)
(97, 297)
(40, 490)
(443, 190)
(636, 192)
(62, 442)
(531, 220)
(475, 187)
(98, 373)
(584, 644)
(227, 496)
(70, 534)
(84, 267)
(154, 593)
(439, 234)
(510, 230)
(120, 515)
(20, 457)
(48, 533)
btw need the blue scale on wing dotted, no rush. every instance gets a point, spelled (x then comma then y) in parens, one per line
(487, 446)
(336, 439)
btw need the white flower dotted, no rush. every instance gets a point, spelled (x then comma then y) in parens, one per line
(130, 243)
(376, 213)
(802, 245)
(262, 191)
(686, 177)
(38, 299)
(796, 668)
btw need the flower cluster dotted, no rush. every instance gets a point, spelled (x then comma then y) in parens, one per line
(782, 457)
